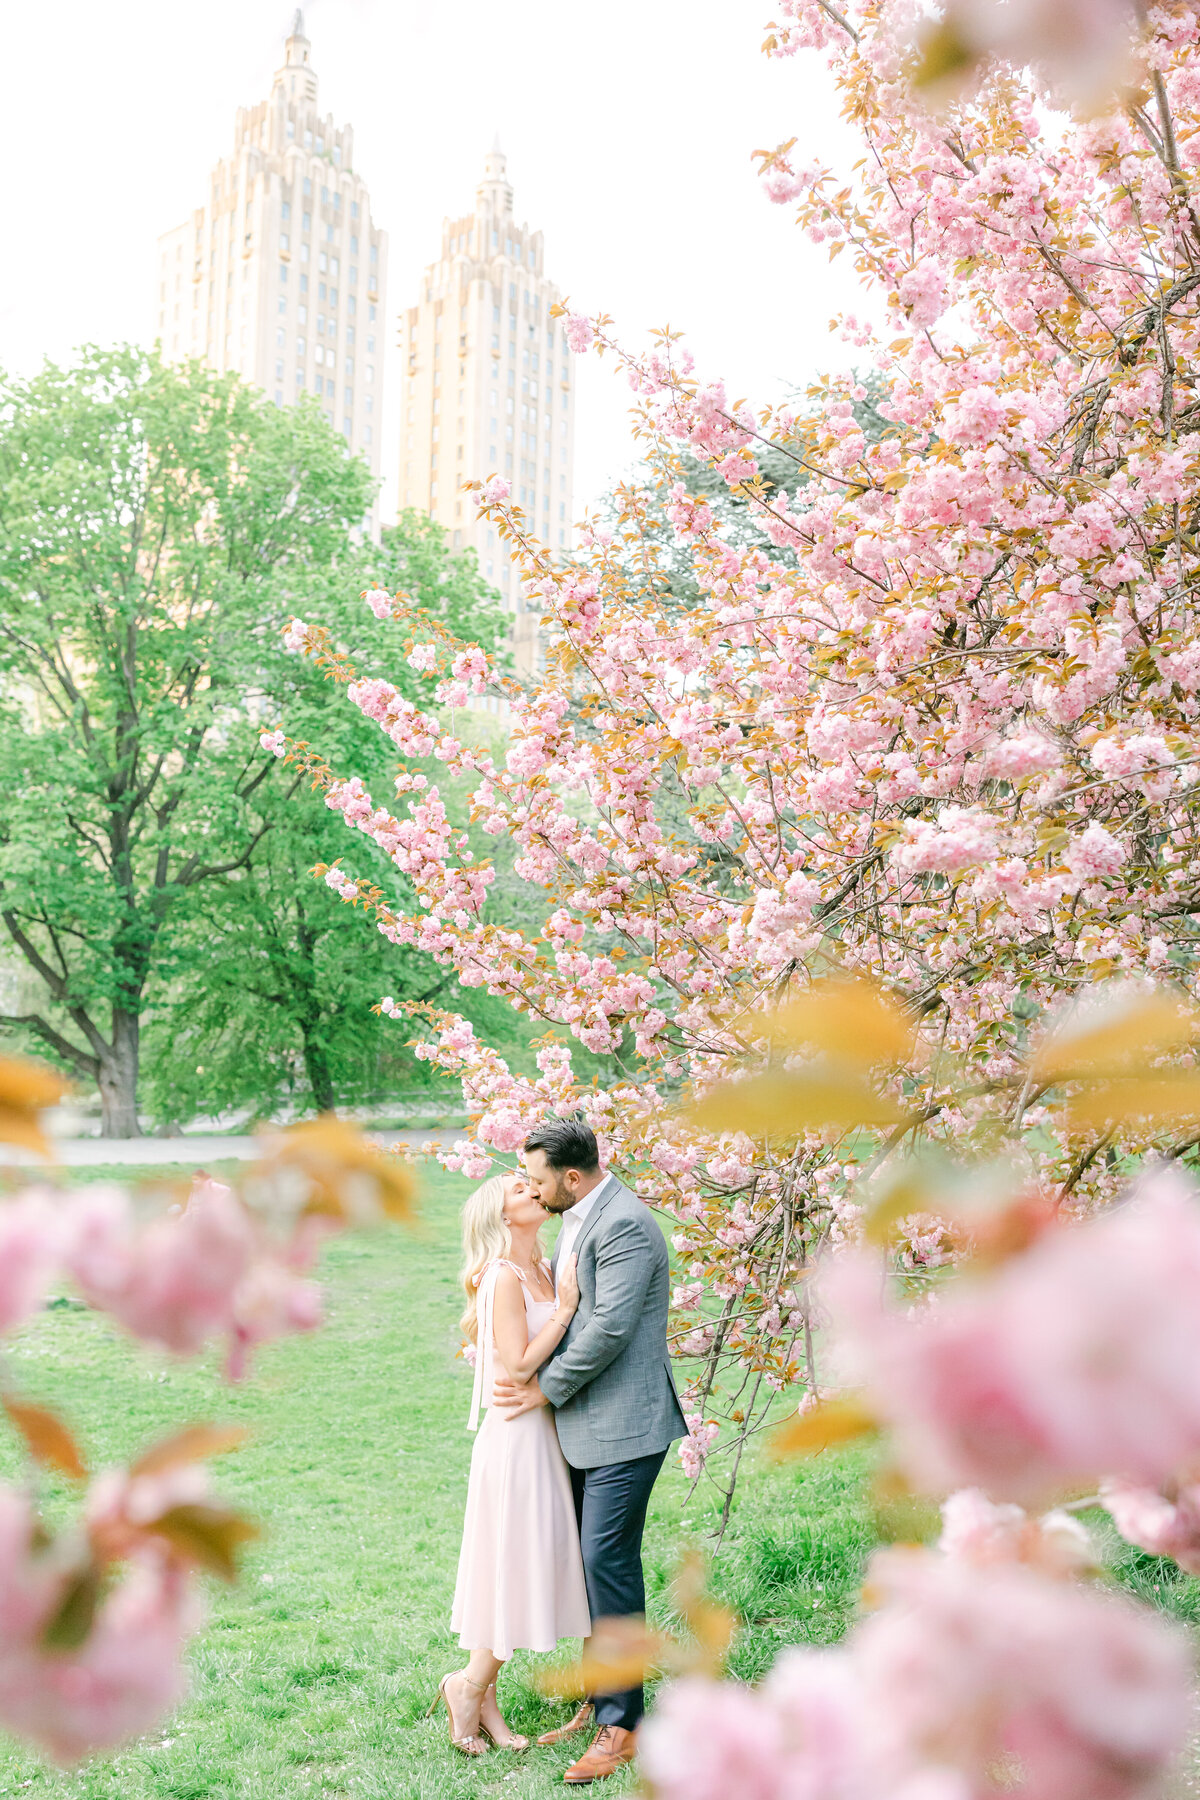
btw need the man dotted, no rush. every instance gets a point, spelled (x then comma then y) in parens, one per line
(615, 1406)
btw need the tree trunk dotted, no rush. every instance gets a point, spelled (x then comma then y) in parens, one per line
(316, 1066)
(119, 1079)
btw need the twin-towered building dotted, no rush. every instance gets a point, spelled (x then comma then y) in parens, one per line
(281, 276)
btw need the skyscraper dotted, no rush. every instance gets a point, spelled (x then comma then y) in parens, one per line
(487, 388)
(281, 274)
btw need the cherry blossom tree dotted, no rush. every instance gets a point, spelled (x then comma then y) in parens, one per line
(933, 723)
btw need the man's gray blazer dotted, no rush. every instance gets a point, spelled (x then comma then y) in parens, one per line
(609, 1381)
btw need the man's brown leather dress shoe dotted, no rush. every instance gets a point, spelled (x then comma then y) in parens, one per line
(582, 1719)
(611, 1748)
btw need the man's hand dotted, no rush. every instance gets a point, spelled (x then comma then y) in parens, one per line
(515, 1397)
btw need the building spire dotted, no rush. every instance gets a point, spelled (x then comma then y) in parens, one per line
(494, 190)
(296, 77)
(296, 45)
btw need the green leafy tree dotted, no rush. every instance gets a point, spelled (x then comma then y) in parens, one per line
(157, 524)
(276, 976)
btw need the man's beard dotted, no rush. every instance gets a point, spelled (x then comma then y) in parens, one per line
(562, 1199)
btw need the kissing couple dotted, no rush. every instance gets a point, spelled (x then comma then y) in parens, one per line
(572, 1369)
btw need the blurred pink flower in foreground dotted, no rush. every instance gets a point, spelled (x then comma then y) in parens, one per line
(1163, 1526)
(30, 1242)
(75, 1699)
(1073, 1360)
(187, 1278)
(976, 1531)
(966, 1680)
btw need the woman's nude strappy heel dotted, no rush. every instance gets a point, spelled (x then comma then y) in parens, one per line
(466, 1746)
(514, 1741)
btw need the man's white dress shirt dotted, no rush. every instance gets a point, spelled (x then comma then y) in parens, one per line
(575, 1219)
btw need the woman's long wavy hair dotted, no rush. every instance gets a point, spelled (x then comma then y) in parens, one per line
(485, 1237)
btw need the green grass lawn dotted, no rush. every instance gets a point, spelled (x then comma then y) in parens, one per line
(315, 1672)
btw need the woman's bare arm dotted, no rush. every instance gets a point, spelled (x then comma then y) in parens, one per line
(520, 1354)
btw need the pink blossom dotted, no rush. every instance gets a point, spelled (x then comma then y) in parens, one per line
(694, 1448)
(1164, 1527)
(1072, 1360)
(579, 333)
(274, 741)
(423, 658)
(379, 601)
(976, 1530)
(1095, 852)
(495, 490)
(31, 1241)
(118, 1684)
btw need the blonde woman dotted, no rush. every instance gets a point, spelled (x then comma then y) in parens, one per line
(520, 1573)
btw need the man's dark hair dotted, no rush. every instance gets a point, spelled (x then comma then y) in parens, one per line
(566, 1144)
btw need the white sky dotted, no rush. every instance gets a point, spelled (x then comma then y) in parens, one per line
(628, 128)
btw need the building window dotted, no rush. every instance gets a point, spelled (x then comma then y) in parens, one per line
(282, 307)
(370, 403)
(322, 262)
(285, 211)
(352, 306)
(367, 437)
(349, 365)
(333, 296)
(349, 334)
(348, 397)
(279, 395)
(371, 313)
(303, 253)
(307, 188)
(306, 222)
(279, 338)
(299, 377)
(283, 271)
(284, 243)
(304, 284)
(329, 234)
(300, 346)
(279, 371)
(370, 371)
(374, 253)
(353, 244)
(354, 209)
(353, 275)
(492, 453)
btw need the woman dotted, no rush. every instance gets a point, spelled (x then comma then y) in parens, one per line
(520, 1574)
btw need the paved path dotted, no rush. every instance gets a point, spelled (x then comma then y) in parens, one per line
(152, 1152)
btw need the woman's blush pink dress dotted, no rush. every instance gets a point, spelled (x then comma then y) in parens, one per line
(520, 1574)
